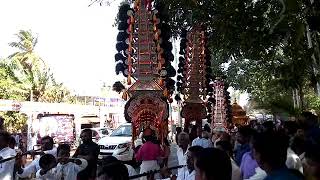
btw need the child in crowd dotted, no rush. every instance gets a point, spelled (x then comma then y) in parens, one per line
(67, 168)
(47, 163)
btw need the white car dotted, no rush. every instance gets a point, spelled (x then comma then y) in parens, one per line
(98, 133)
(118, 144)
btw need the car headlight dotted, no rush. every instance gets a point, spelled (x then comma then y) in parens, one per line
(123, 145)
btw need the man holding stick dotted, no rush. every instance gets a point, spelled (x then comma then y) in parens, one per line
(47, 147)
(6, 168)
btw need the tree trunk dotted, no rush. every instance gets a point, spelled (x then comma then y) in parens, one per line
(301, 96)
(294, 99)
(298, 98)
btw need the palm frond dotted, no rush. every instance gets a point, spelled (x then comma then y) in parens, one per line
(13, 55)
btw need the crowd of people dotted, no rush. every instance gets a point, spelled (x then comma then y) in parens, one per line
(50, 162)
(268, 151)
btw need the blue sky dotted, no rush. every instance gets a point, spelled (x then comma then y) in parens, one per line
(76, 41)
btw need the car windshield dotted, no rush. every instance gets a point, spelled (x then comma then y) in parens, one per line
(122, 131)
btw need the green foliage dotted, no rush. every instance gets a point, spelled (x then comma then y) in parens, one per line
(29, 72)
(263, 43)
(260, 47)
(313, 102)
(25, 76)
(28, 67)
(14, 121)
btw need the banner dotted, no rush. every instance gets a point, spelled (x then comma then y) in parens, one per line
(10, 105)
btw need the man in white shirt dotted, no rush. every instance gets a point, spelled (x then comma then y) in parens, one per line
(259, 175)
(47, 146)
(67, 168)
(293, 161)
(183, 142)
(187, 158)
(131, 170)
(201, 141)
(227, 147)
(190, 173)
(6, 168)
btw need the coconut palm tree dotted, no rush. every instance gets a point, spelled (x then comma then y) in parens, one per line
(28, 66)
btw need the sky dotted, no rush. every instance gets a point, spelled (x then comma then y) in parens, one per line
(76, 41)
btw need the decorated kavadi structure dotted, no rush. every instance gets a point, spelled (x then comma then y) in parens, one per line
(193, 81)
(222, 108)
(144, 57)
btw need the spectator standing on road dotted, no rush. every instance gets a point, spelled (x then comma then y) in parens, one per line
(213, 164)
(243, 138)
(270, 151)
(227, 147)
(190, 173)
(149, 153)
(201, 141)
(89, 151)
(183, 143)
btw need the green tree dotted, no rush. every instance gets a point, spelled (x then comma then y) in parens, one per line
(24, 76)
(10, 86)
(263, 43)
(28, 66)
(267, 48)
(57, 93)
(14, 121)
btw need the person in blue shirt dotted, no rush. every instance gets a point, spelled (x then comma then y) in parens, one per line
(243, 138)
(270, 151)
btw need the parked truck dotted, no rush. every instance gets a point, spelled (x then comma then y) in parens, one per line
(61, 127)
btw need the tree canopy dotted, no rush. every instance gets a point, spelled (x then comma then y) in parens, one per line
(24, 76)
(269, 49)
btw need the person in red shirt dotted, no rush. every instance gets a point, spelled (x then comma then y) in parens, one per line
(149, 153)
